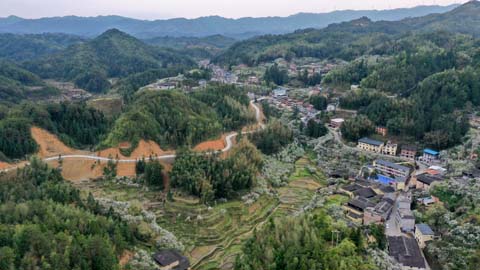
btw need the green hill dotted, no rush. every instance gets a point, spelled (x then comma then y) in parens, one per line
(350, 40)
(17, 84)
(28, 47)
(112, 54)
(173, 119)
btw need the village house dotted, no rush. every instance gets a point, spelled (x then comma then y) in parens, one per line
(406, 252)
(171, 260)
(423, 234)
(381, 131)
(370, 145)
(390, 149)
(356, 207)
(380, 213)
(408, 151)
(430, 155)
(253, 80)
(336, 122)
(425, 181)
(280, 92)
(427, 201)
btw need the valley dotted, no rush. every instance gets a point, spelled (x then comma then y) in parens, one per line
(354, 144)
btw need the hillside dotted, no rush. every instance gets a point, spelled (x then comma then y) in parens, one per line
(173, 119)
(349, 40)
(112, 54)
(31, 46)
(205, 26)
(17, 84)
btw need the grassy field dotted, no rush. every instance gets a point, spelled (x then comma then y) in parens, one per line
(213, 236)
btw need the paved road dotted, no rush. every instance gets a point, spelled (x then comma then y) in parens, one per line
(228, 139)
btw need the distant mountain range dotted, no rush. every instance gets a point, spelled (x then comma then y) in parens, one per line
(204, 26)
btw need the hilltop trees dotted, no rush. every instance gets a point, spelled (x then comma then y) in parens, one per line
(276, 75)
(15, 138)
(304, 243)
(357, 127)
(272, 138)
(211, 177)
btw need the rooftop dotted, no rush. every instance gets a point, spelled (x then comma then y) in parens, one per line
(424, 229)
(428, 178)
(392, 165)
(409, 148)
(370, 141)
(168, 257)
(365, 192)
(430, 152)
(406, 251)
(361, 203)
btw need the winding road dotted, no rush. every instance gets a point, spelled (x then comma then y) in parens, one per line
(228, 139)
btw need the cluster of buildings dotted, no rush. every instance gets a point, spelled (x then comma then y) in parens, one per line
(385, 198)
(282, 101)
(222, 76)
(429, 156)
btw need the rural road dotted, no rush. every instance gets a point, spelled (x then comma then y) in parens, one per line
(228, 139)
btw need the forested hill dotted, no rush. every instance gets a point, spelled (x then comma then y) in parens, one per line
(30, 46)
(112, 54)
(350, 40)
(205, 26)
(17, 83)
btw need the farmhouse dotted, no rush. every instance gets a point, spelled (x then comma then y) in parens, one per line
(381, 131)
(425, 181)
(171, 260)
(370, 145)
(406, 252)
(336, 122)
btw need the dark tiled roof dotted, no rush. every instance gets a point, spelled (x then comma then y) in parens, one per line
(167, 257)
(370, 141)
(387, 189)
(352, 188)
(406, 251)
(409, 148)
(428, 179)
(361, 203)
(365, 193)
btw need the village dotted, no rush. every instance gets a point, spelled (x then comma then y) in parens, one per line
(387, 190)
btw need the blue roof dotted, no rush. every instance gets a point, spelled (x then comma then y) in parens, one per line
(425, 229)
(430, 152)
(370, 141)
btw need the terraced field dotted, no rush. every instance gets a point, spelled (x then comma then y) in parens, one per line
(213, 236)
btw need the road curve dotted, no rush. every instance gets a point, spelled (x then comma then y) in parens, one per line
(228, 139)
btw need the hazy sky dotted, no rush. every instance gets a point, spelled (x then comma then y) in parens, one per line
(161, 9)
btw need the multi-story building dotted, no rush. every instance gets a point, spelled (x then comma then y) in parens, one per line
(391, 169)
(430, 155)
(390, 149)
(408, 151)
(370, 145)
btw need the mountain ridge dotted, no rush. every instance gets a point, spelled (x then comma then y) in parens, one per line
(204, 26)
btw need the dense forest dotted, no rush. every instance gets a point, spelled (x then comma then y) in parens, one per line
(45, 224)
(173, 118)
(305, 243)
(211, 177)
(112, 54)
(273, 138)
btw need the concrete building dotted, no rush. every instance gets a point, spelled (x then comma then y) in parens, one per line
(280, 92)
(391, 169)
(408, 151)
(404, 217)
(381, 131)
(390, 149)
(430, 155)
(378, 214)
(370, 145)
(423, 234)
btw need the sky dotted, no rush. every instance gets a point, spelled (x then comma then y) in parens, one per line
(164, 9)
